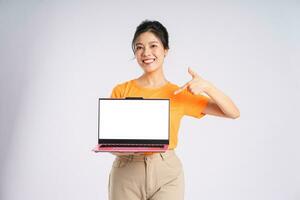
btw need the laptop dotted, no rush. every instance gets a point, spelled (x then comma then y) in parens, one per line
(133, 124)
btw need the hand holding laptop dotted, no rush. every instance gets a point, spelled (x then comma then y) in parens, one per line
(125, 153)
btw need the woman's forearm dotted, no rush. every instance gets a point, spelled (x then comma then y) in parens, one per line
(223, 101)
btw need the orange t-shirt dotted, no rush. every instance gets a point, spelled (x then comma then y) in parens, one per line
(183, 103)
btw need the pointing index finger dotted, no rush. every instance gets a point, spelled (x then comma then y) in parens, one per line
(182, 88)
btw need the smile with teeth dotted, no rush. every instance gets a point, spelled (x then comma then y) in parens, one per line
(148, 61)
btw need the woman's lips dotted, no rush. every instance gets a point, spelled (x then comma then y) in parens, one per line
(148, 61)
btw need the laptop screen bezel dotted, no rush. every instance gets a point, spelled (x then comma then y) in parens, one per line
(132, 141)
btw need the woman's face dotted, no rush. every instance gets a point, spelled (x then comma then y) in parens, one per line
(149, 52)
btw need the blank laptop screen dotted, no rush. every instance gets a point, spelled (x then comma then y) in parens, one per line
(143, 119)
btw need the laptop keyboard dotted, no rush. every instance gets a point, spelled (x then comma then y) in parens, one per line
(133, 145)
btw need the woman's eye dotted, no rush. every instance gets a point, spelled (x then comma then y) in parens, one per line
(153, 45)
(138, 48)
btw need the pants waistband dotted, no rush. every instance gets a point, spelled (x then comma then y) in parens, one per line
(139, 157)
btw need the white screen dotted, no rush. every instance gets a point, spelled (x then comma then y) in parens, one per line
(133, 119)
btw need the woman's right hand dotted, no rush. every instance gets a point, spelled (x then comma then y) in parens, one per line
(125, 153)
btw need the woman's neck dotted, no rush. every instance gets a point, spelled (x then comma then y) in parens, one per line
(153, 79)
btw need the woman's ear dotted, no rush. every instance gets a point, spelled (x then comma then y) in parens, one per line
(166, 52)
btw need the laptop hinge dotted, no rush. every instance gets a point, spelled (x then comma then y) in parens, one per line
(134, 98)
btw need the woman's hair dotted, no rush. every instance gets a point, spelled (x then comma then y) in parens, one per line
(154, 27)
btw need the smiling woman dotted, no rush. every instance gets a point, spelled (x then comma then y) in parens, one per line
(150, 175)
(150, 52)
(150, 45)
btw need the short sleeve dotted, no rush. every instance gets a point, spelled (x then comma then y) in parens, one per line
(193, 105)
(116, 92)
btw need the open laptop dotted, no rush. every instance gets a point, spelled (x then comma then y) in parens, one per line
(133, 124)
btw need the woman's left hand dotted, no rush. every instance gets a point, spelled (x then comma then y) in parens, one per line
(219, 104)
(196, 86)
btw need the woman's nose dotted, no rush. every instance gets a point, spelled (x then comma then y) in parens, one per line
(146, 52)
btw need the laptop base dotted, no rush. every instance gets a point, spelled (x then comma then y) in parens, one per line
(99, 148)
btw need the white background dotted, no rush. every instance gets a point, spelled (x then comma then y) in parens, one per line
(58, 57)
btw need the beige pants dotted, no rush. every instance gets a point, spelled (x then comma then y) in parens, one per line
(152, 177)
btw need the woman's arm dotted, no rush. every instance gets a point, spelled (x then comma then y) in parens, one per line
(218, 105)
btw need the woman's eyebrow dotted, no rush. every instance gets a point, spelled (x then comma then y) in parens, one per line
(153, 42)
(149, 42)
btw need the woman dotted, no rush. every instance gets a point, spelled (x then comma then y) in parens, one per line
(160, 176)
